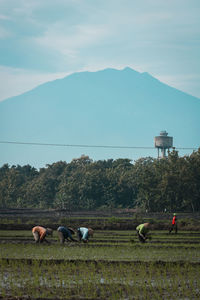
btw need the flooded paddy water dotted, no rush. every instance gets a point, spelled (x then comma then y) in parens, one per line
(113, 265)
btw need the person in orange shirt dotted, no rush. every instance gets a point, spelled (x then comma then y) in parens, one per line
(40, 233)
(174, 224)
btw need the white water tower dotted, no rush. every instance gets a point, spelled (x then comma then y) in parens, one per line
(163, 142)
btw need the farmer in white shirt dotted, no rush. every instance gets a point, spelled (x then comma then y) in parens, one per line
(84, 233)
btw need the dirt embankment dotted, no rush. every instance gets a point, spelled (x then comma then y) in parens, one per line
(127, 219)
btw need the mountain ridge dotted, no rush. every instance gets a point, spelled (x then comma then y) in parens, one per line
(126, 69)
(118, 107)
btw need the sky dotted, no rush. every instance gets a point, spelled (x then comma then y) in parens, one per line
(42, 40)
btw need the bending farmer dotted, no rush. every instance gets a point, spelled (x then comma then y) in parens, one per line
(65, 233)
(40, 233)
(84, 233)
(142, 231)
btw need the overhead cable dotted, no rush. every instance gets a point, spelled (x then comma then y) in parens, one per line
(86, 146)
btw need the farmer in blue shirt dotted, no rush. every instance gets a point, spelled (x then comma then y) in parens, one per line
(65, 233)
(83, 234)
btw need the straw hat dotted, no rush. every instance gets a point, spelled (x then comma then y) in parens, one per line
(90, 231)
(49, 231)
(71, 230)
(147, 224)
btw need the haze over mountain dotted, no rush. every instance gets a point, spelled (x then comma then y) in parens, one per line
(108, 107)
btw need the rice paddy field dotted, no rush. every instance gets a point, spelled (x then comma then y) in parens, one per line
(113, 265)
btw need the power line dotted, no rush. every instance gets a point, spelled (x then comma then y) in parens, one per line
(85, 146)
(74, 145)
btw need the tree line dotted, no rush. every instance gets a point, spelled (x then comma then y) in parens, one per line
(168, 184)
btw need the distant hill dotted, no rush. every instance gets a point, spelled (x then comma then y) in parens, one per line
(108, 107)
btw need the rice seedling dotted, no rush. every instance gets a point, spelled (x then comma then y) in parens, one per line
(108, 267)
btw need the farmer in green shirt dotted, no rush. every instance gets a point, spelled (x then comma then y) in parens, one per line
(142, 231)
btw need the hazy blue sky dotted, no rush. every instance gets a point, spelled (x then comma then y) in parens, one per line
(41, 40)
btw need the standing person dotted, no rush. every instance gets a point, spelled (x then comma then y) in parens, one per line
(174, 224)
(83, 234)
(40, 233)
(65, 233)
(142, 231)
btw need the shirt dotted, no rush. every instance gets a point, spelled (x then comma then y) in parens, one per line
(65, 231)
(41, 231)
(84, 233)
(174, 220)
(142, 229)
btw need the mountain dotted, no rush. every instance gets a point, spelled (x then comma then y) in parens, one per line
(108, 107)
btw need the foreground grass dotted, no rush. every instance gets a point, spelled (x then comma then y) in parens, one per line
(84, 252)
(83, 280)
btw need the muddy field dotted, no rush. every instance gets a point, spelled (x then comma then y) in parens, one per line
(113, 265)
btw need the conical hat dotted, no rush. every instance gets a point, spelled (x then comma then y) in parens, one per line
(90, 231)
(49, 231)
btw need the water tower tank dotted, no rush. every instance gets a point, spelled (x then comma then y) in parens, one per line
(163, 142)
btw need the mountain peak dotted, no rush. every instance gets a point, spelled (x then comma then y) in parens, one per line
(128, 69)
(107, 107)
